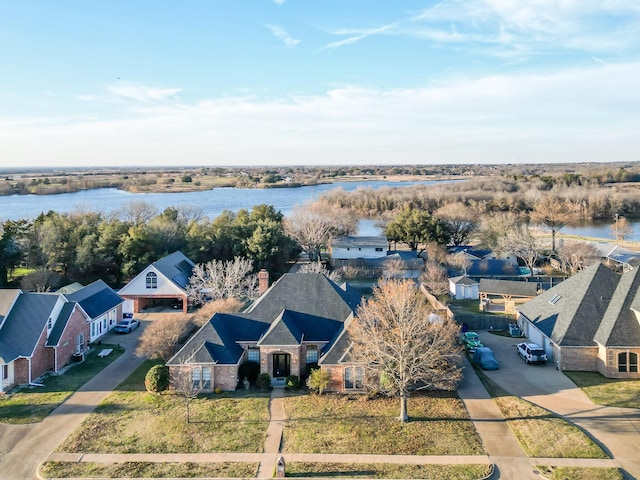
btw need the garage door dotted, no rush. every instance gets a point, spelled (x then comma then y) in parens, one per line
(127, 306)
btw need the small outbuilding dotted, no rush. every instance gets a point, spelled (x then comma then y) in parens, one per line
(463, 287)
(502, 296)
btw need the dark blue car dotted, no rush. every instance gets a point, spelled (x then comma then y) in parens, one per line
(484, 358)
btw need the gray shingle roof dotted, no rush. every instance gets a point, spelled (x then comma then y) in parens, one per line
(570, 313)
(61, 324)
(24, 324)
(508, 287)
(463, 280)
(619, 326)
(298, 307)
(96, 299)
(355, 242)
(336, 352)
(177, 267)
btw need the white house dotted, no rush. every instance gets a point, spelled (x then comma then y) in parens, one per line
(164, 281)
(344, 249)
(463, 287)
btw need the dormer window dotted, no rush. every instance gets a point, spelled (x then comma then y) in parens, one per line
(152, 280)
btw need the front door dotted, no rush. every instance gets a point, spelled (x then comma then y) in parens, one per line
(281, 364)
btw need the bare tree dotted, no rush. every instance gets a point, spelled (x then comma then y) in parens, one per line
(621, 229)
(521, 241)
(160, 338)
(495, 227)
(209, 309)
(575, 256)
(313, 226)
(401, 346)
(552, 213)
(223, 279)
(41, 280)
(182, 383)
(393, 268)
(435, 278)
(319, 267)
(459, 261)
(137, 212)
(462, 221)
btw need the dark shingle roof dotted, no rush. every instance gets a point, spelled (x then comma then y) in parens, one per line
(24, 324)
(491, 267)
(176, 267)
(571, 312)
(619, 326)
(309, 293)
(355, 242)
(298, 307)
(508, 287)
(61, 324)
(337, 351)
(96, 299)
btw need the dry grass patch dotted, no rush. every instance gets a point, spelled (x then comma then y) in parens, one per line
(607, 391)
(388, 470)
(147, 470)
(33, 404)
(581, 473)
(543, 434)
(131, 420)
(439, 425)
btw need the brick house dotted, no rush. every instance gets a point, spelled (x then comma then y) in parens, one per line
(41, 332)
(589, 322)
(300, 320)
(162, 282)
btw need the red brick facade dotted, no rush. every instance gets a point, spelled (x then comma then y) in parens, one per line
(67, 346)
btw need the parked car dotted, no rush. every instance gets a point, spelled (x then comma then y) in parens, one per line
(470, 341)
(484, 358)
(126, 325)
(532, 352)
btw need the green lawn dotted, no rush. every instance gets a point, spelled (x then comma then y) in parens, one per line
(33, 404)
(131, 420)
(388, 470)
(607, 391)
(147, 470)
(438, 425)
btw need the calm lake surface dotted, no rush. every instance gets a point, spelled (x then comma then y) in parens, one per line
(211, 202)
(214, 202)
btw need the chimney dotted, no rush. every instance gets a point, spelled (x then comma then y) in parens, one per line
(263, 281)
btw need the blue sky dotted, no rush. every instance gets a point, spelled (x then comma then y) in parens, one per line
(307, 83)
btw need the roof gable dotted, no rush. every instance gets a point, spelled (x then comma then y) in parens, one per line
(619, 325)
(24, 324)
(283, 331)
(571, 312)
(96, 299)
(177, 267)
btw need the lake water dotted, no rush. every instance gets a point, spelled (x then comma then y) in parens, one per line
(214, 202)
(211, 202)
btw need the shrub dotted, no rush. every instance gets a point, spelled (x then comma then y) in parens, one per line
(249, 370)
(292, 382)
(218, 390)
(157, 379)
(318, 380)
(264, 381)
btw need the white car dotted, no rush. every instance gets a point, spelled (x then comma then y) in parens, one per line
(126, 325)
(532, 352)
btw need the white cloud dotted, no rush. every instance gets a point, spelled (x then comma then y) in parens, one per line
(142, 93)
(281, 34)
(587, 114)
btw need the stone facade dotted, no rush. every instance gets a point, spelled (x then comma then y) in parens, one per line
(225, 377)
(608, 362)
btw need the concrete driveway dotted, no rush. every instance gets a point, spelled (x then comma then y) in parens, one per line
(24, 447)
(617, 430)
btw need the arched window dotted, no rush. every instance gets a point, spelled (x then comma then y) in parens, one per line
(622, 362)
(628, 362)
(152, 280)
